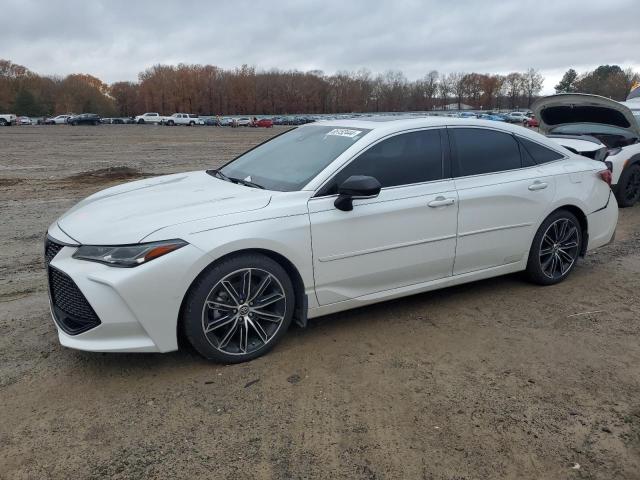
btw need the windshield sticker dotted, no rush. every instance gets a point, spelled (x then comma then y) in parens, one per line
(344, 132)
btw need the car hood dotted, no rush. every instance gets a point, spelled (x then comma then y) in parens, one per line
(127, 213)
(568, 108)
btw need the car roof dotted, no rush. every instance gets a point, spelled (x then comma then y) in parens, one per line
(381, 126)
(399, 123)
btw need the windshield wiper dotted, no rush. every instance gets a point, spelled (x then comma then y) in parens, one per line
(246, 183)
(218, 174)
(222, 176)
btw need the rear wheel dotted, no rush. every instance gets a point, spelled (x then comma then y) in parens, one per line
(3, 122)
(555, 248)
(628, 193)
(239, 309)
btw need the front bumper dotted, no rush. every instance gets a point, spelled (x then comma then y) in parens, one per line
(137, 308)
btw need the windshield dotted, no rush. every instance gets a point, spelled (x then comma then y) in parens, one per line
(289, 161)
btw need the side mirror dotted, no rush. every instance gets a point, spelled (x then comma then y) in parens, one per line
(356, 186)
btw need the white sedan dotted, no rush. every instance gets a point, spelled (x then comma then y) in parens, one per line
(326, 217)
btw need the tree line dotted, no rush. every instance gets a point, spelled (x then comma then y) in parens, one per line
(210, 90)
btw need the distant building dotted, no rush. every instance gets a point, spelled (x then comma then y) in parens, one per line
(454, 106)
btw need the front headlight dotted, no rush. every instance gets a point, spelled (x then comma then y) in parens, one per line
(127, 255)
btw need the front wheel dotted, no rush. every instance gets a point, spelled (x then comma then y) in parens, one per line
(239, 309)
(628, 192)
(555, 249)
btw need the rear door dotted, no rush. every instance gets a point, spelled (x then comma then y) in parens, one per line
(406, 235)
(503, 195)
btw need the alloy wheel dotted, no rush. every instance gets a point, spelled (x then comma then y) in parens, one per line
(244, 311)
(559, 248)
(632, 190)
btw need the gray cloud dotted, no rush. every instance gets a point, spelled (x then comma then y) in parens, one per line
(116, 39)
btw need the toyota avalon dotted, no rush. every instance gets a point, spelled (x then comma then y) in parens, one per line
(323, 218)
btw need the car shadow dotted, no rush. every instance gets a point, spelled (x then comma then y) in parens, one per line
(186, 358)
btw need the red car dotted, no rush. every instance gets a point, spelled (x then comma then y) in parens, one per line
(263, 122)
(531, 122)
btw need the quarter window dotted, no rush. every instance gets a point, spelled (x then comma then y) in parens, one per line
(484, 151)
(537, 152)
(403, 159)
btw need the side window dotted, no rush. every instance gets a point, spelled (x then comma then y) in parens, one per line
(484, 151)
(403, 159)
(537, 152)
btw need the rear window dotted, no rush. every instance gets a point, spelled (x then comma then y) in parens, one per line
(481, 151)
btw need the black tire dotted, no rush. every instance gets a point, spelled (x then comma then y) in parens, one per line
(628, 192)
(191, 124)
(3, 122)
(203, 290)
(551, 260)
(141, 121)
(170, 123)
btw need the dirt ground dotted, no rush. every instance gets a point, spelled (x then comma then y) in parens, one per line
(495, 379)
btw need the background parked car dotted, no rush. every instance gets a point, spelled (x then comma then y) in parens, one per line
(516, 117)
(7, 119)
(149, 117)
(263, 122)
(488, 116)
(182, 119)
(611, 122)
(57, 120)
(241, 122)
(23, 121)
(117, 120)
(84, 119)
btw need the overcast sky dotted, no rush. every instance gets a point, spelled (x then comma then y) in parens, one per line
(115, 40)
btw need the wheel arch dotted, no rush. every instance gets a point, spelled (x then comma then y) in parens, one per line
(584, 224)
(301, 303)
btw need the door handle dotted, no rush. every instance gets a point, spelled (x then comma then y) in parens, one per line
(538, 185)
(441, 202)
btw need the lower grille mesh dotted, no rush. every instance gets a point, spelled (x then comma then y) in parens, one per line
(71, 310)
(51, 249)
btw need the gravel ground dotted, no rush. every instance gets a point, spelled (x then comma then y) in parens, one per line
(495, 379)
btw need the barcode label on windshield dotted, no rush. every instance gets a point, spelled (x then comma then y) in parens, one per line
(345, 132)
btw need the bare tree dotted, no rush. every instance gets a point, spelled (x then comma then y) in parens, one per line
(532, 82)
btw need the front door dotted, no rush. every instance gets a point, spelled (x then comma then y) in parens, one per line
(406, 235)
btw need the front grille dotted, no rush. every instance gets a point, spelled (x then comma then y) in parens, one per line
(71, 309)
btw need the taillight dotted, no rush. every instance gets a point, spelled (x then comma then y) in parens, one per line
(605, 175)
